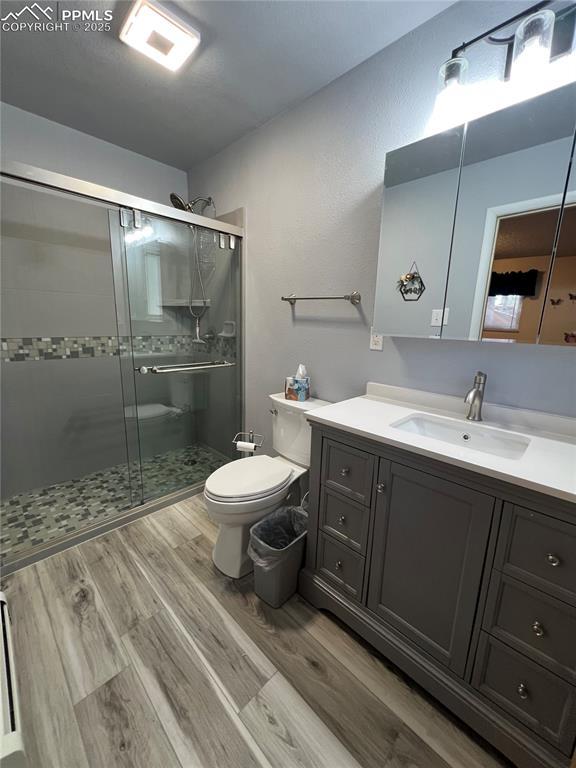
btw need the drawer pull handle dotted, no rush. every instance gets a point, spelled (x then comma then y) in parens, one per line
(341, 519)
(380, 488)
(345, 471)
(553, 560)
(522, 691)
(538, 629)
(338, 565)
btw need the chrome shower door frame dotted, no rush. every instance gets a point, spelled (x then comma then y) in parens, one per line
(120, 203)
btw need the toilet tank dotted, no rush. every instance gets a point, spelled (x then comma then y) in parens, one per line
(290, 431)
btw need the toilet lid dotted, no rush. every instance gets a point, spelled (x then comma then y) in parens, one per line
(251, 477)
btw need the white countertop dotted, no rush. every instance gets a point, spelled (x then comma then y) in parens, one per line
(548, 465)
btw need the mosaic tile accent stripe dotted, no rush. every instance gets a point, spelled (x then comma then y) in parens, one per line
(58, 347)
(35, 348)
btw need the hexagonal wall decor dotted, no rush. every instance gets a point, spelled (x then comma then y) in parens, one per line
(411, 285)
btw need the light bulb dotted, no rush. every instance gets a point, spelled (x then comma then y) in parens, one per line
(452, 73)
(450, 106)
(532, 46)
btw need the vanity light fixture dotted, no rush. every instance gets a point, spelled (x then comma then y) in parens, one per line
(532, 46)
(159, 34)
(531, 67)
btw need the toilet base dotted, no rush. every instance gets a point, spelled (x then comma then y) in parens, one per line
(229, 554)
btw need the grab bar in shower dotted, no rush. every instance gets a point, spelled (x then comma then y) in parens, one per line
(185, 368)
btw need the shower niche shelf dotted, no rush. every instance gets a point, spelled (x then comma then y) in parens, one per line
(171, 303)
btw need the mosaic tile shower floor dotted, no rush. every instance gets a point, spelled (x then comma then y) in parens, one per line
(42, 515)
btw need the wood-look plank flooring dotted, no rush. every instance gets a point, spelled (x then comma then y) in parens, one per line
(133, 651)
(89, 645)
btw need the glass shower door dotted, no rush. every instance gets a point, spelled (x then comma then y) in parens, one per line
(184, 300)
(64, 454)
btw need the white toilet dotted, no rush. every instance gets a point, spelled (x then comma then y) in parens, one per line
(242, 492)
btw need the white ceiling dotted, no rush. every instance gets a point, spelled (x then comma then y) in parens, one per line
(257, 59)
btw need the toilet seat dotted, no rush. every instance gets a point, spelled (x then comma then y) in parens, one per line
(243, 480)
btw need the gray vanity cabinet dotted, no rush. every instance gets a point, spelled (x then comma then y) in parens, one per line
(429, 545)
(465, 582)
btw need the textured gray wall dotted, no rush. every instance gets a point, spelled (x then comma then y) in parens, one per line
(28, 138)
(311, 183)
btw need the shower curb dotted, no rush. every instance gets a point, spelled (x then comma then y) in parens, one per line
(43, 552)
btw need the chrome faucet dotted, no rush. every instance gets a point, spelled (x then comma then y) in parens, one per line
(475, 397)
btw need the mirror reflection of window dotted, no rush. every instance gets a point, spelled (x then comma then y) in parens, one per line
(520, 267)
(559, 320)
(503, 313)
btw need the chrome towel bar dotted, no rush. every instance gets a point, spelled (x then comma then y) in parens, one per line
(185, 368)
(354, 298)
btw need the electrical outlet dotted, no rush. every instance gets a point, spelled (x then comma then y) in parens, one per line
(376, 341)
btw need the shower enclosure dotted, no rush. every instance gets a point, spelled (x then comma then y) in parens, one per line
(121, 365)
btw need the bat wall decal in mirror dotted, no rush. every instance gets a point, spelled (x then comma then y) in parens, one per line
(490, 209)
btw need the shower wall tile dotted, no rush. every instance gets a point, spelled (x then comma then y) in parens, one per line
(217, 422)
(58, 426)
(28, 313)
(42, 266)
(21, 448)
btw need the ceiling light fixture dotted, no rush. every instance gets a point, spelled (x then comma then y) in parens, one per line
(159, 34)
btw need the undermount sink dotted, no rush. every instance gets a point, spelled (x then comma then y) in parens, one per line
(485, 439)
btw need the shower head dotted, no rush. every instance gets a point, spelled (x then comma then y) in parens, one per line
(207, 203)
(178, 202)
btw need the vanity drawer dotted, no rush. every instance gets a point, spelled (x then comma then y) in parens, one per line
(534, 623)
(344, 519)
(531, 694)
(539, 550)
(340, 565)
(348, 471)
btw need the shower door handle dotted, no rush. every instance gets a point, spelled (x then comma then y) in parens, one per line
(185, 368)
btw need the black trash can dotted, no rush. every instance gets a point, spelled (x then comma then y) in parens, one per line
(276, 547)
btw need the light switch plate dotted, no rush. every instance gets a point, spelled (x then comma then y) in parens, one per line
(436, 319)
(376, 341)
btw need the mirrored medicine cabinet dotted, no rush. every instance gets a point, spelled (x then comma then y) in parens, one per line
(478, 232)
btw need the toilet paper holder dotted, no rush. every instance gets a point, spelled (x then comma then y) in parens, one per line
(248, 438)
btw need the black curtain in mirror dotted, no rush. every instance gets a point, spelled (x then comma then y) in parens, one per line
(513, 283)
